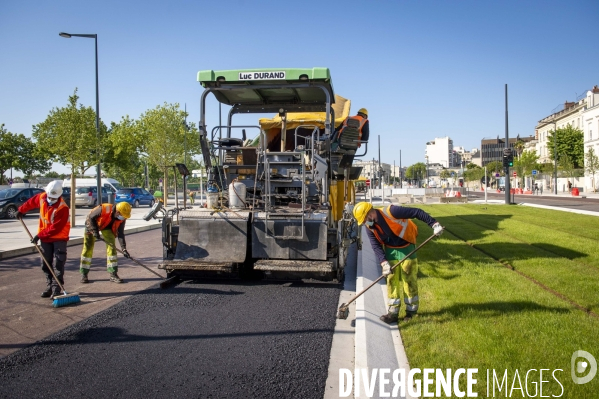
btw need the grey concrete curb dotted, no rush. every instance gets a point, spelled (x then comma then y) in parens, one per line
(73, 241)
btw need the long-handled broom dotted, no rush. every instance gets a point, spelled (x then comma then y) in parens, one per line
(134, 260)
(60, 300)
(344, 308)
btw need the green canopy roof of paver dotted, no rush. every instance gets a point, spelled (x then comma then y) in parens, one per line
(294, 88)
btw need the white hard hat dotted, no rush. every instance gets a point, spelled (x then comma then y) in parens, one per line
(54, 189)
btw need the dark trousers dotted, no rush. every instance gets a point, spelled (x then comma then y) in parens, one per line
(55, 254)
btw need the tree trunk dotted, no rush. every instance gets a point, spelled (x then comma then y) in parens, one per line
(165, 187)
(72, 204)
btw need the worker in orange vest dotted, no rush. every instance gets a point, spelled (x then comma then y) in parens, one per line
(52, 233)
(362, 118)
(393, 236)
(109, 220)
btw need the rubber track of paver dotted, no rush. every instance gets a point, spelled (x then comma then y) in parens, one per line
(195, 340)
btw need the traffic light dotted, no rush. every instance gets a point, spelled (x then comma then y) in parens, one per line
(506, 161)
(510, 160)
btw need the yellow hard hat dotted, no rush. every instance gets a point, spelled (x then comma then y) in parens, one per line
(363, 111)
(361, 211)
(124, 209)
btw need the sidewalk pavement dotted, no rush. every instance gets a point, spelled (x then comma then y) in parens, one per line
(15, 241)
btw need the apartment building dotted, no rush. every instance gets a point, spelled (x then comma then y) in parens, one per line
(440, 151)
(590, 129)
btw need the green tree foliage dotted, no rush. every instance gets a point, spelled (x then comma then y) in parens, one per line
(591, 165)
(570, 142)
(519, 147)
(20, 152)
(495, 167)
(525, 164)
(163, 135)
(473, 173)
(69, 135)
(122, 159)
(444, 174)
(416, 172)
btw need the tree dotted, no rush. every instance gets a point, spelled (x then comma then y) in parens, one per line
(526, 163)
(163, 135)
(519, 147)
(445, 174)
(8, 155)
(69, 134)
(566, 165)
(122, 157)
(570, 142)
(20, 152)
(31, 158)
(473, 173)
(592, 165)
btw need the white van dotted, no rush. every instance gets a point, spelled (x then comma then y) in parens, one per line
(111, 184)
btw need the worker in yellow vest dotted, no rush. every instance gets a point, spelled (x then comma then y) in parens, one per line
(393, 236)
(109, 220)
(52, 233)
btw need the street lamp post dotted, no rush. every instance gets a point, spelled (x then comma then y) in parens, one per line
(98, 168)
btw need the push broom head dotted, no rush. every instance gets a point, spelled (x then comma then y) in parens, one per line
(343, 311)
(66, 299)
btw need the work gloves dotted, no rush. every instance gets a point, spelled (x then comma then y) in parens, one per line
(386, 268)
(437, 229)
(20, 215)
(97, 235)
(35, 239)
(126, 253)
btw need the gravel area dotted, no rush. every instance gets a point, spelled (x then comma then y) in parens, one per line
(194, 340)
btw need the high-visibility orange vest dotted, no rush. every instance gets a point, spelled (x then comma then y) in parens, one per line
(105, 218)
(47, 215)
(402, 228)
(359, 119)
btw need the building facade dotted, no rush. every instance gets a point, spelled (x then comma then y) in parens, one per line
(492, 149)
(440, 151)
(590, 129)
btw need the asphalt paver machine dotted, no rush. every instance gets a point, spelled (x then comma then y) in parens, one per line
(279, 204)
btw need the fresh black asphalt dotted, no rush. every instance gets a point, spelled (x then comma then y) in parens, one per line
(194, 340)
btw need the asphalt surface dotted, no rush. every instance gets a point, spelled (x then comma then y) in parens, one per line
(587, 204)
(196, 339)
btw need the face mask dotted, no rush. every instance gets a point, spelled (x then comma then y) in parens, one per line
(369, 223)
(120, 217)
(51, 201)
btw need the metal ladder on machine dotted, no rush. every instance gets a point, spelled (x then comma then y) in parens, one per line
(290, 264)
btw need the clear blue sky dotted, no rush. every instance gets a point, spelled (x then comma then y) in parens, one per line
(424, 69)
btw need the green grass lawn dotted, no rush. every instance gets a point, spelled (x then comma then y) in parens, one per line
(476, 312)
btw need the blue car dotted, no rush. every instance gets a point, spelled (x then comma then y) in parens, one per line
(135, 196)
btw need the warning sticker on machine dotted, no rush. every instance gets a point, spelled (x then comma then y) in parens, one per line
(261, 75)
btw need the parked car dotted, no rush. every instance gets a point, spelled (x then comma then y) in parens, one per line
(12, 198)
(135, 196)
(87, 196)
(66, 195)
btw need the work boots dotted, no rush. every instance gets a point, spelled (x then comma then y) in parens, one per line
(389, 318)
(84, 279)
(47, 292)
(115, 278)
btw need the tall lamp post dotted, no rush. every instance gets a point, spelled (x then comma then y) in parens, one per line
(98, 168)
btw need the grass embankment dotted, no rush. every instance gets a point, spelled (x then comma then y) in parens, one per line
(476, 312)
